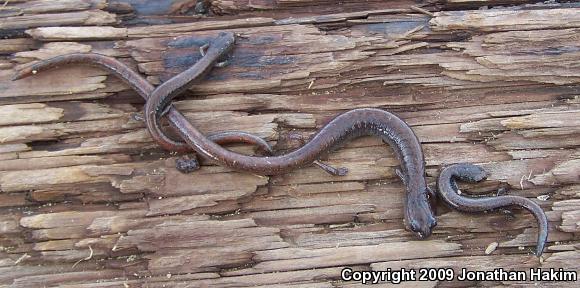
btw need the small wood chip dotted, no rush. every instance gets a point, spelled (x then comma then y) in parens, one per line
(543, 197)
(491, 247)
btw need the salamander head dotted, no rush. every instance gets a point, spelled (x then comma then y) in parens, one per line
(224, 41)
(469, 173)
(419, 215)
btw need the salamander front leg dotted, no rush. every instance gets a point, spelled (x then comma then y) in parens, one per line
(401, 175)
(501, 191)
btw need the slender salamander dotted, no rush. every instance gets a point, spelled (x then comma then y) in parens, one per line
(162, 96)
(418, 214)
(448, 191)
(391, 129)
(143, 88)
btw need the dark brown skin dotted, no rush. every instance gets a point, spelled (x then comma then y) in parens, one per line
(112, 65)
(143, 88)
(355, 123)
(447, 190)
(163, 95)
(419, 217)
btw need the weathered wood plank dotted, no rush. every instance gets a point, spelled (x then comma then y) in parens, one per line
(507, 19)
(88, 200)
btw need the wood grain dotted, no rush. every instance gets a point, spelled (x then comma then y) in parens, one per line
(88, 200)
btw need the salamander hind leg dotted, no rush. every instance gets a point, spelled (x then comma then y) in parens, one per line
(334, 171)
(340, 171)
(203, 49)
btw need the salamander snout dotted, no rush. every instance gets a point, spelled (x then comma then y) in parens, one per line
(470, 173)
(423, 230)
(420, 217)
